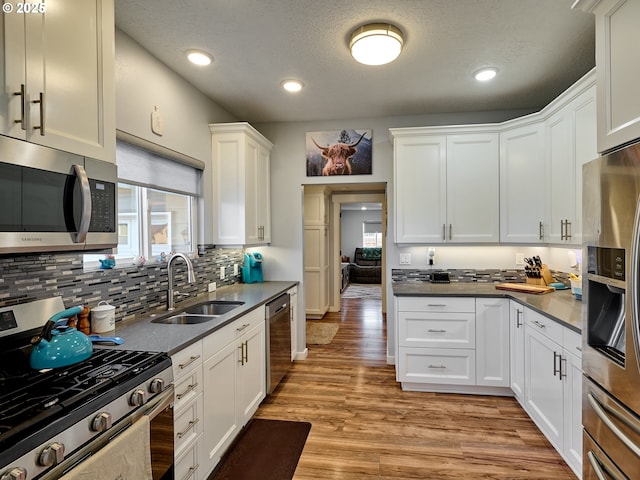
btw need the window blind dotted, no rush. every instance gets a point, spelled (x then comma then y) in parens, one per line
(139, 166)
(371, 226)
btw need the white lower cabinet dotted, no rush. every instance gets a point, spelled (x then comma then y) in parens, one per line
(516, 350)
(457, 344)
(234, 376)
(553, 385)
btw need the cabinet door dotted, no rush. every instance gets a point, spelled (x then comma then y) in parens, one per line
(522, 185)
(438, 330)
(13, 120)
(492, 342)
(453, 366)
(472, 188)
(257, 203)
(220, 402)
(516, 353)
(544, 389)
(420, 189)
(251, 372)
(618, 68)
(572, 368)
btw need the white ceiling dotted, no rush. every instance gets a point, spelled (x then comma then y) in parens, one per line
(540, 47)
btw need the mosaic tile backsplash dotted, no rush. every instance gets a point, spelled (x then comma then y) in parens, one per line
(132, 290)
(470, 275)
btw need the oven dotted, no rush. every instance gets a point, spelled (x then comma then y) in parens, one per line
(56, 422)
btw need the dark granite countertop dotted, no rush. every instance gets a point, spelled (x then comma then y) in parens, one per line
(140, 334)
(560, 305)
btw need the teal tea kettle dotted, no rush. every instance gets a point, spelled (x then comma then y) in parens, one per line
(59, 345)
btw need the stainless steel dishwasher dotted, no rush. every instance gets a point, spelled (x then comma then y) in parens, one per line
(278, 323)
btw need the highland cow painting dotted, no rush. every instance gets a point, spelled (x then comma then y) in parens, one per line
(343, 152)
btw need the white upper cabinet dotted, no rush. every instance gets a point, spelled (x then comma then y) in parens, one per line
(571, 142)
(618, 70)
(522, 184)
(57, 76)
(446, 186)
(241, 185)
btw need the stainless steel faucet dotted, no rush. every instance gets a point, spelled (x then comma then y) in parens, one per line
(191, 277)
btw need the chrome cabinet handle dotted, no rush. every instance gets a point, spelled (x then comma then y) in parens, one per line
(518, 315)
(435, 330)
(444, 232)
(602, 414)
(450, 234)
(22, 123)
(436, 304)
(41, 126)
(541, 231)
(239, 329)
(189, 427)
(189, 389)
(241, 359)
(538, 324)
(181, 366)
(85, 219)
(246, 351)
(437, 366)
(192, 470)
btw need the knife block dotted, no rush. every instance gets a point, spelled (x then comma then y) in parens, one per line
(545, 277)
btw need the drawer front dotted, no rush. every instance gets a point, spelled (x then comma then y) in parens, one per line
(437, 304)
(229, 333)
(187, 425)
(186, 359)
(572, 342)
(189, 464)
(188, 387)
(437, 330)
(437, 365)
(544, 325)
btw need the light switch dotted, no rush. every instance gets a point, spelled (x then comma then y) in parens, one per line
(221, 273)
(405, 259)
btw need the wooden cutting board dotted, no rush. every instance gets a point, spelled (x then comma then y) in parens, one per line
(524, 288)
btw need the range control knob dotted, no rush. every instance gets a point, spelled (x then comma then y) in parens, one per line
(156, 385)
(15, 473)
(137, 398)
(101, 422)
(51, 455)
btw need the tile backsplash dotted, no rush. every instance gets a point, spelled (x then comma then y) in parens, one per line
(132, 290)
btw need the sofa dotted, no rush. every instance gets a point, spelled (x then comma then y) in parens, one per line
(366, 266)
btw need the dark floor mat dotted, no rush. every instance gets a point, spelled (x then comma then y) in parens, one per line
(266, 449)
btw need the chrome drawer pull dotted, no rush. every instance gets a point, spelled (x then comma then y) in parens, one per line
(189, 389)
(518, 315)
(437, 366)
(597, 467)
(600, 411)
(436, 304)
(189, 427)
(191, 360)
(239, 329)
(434, 330)
(192, 470)
(538, 324)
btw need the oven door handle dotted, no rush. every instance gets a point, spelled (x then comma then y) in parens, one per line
(599, 409)
(159, 404)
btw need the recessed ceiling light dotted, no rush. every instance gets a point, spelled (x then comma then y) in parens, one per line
(292, 86)
(485, 74)
(376, 43)
(198, 58)
(364, 207)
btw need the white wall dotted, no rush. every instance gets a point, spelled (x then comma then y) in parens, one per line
(142, 83)
(351, 228)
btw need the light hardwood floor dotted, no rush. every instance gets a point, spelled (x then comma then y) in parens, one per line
(365, 427)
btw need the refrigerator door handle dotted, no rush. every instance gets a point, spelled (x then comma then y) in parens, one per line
(597, 468)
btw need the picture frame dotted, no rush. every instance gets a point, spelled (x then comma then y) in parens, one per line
(339, 152)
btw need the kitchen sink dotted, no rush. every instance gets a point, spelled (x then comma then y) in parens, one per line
(215, 307)
(202, 313)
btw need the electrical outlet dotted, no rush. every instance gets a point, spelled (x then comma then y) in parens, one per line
(235, 269)
(212, 287)
(221, 273)
(405, 259)
(519, 258)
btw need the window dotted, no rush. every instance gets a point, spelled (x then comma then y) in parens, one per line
(157, 200)
(371, 234)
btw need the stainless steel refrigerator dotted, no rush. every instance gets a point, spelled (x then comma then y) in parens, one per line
(610, 336)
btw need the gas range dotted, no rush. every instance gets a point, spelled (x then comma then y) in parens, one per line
(46, 416)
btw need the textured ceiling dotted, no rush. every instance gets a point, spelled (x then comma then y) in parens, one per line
(540, 47)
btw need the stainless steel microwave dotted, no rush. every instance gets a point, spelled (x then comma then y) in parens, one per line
(52, 200)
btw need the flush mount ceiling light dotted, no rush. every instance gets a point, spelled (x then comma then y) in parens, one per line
(376, 43)
(198, 58)
(292, 86)
(485, 74)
